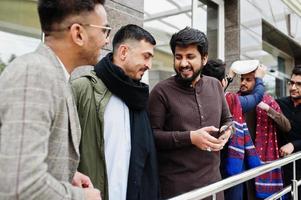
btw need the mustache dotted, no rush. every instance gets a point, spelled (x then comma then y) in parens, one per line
(186, 67)
(144, 69)
(297, 97)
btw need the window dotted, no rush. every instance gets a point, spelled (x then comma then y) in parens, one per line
(165, 17)
(19, 29)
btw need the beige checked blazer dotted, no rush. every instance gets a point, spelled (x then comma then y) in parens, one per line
(39, 130)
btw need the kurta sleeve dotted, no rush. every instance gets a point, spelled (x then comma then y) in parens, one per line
(281, 121)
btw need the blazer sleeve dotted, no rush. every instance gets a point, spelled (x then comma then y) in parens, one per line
(26, 113)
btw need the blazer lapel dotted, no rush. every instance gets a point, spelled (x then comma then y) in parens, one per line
(73, 120)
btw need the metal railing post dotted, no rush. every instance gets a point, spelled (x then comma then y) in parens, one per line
(295, 189)
(294, 172)
(214, 197)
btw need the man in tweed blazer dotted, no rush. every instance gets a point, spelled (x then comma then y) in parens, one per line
(39, 127)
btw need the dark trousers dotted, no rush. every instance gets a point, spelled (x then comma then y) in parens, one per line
(235, 192)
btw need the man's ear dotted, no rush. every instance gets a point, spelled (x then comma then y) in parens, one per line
(123, 51)
(204, 59)
(78, 34)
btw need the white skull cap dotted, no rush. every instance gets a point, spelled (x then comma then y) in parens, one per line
(244, 66)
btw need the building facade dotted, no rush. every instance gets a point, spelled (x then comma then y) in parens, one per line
(267, 30)
(20, 30)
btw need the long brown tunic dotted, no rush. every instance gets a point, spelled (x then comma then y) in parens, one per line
(175, 110)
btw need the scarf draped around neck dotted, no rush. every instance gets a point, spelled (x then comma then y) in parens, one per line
(133, 93)
(143, 179)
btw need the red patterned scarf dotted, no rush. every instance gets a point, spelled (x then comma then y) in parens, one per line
(240, 146)
(267, 149)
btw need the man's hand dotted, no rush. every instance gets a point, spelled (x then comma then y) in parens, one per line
(260, 71)
(226, 133)
(264, 106)
(81, 180)
(231, 73)
(286, 149)
(92, 194)
(203, 140)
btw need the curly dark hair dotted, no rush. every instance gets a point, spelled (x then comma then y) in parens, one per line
(297, 70)
(188, 36)
(215, 68)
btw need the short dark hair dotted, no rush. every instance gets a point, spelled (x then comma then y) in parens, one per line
(188, 36)
(55, 11)
(297, 70)
(215, 68)
(131, 32)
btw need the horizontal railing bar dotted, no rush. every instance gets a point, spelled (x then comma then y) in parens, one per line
(282, 192)
(236, 179)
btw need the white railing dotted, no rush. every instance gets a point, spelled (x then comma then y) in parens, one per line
(213, 189)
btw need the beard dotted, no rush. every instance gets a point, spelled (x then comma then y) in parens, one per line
(296, 97)
(245, 92)
(187, 81)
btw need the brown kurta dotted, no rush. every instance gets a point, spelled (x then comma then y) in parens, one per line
(176, 110)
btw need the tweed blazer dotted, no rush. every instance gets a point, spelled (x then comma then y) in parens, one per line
(39, 130)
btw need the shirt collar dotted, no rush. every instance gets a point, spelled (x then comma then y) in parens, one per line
(67, 75)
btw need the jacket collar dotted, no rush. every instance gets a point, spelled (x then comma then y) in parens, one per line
(46, 51)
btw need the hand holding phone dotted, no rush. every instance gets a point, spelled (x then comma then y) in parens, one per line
(225, 132)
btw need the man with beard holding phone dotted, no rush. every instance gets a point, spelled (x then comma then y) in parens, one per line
(291, 108)
(186, 111)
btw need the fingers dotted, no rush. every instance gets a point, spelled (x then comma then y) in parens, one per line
(283, 152)
(86, 183)
(92, 194)
(231, 73)
(81, 180)
(213, 143)
(225, 137)
(226, 127)
(211, 139)
(209, 129)
(260, 71)
(203, 140)
(217, 149)
(286, 149)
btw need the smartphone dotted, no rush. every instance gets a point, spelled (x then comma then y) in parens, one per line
(224, 129)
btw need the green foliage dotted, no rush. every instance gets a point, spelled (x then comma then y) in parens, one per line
(2, 65)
